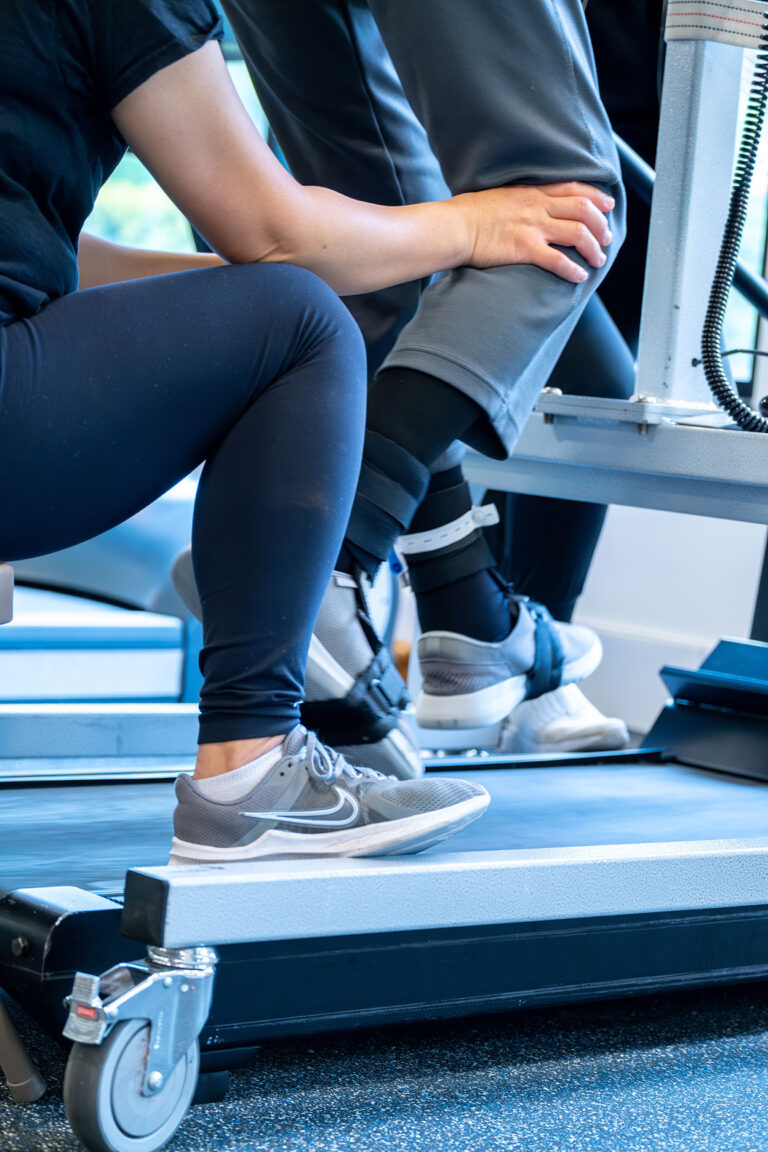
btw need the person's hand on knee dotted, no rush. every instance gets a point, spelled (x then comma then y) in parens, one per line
(520, 224)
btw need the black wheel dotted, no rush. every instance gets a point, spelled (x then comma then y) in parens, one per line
(103, 1098)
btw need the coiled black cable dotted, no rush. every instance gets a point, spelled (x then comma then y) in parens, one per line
(711, 335)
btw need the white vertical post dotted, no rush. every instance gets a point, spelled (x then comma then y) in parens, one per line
(694, 165)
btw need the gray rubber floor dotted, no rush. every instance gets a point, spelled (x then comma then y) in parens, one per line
(682, 1073)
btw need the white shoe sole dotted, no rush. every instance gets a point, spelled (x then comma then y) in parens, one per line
(492, 704)
(390, 838)
(609, 737)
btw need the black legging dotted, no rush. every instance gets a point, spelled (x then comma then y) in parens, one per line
(546, 546)
(110, 396)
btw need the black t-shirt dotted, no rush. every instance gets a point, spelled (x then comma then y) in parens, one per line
(64, 65)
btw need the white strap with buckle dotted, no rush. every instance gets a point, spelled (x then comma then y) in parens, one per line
(446, 534)
(739, 22)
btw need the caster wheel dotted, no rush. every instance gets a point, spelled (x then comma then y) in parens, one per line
(103, 1098)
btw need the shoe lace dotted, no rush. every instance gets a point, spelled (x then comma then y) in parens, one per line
(327, 764)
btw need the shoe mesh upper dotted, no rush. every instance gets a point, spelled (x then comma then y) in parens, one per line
(429, 794)
(384, 756)
(441, 678)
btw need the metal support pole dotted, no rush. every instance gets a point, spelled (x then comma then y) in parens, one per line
(699, 116)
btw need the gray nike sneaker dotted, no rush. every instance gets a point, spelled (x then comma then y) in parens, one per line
(468, 683)
(355, 697)
(312, 803)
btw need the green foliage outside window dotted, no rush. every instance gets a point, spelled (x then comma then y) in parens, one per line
(132, 209)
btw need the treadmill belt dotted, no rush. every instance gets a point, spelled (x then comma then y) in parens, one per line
(88, 835)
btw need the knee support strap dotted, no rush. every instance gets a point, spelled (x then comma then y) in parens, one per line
(391, 486)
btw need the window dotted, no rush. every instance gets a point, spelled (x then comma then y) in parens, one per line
(132, 208)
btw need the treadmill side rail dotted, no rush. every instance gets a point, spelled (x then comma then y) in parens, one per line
(233, 904)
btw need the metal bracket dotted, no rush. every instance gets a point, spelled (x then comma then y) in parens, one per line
(171, 989)
(639, 409)
(700, 470)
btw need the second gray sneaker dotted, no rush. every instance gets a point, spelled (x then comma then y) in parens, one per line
(469, 683)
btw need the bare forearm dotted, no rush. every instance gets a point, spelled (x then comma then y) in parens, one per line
(219, 171)
(188, 126)
(357, 247)
(102, 262)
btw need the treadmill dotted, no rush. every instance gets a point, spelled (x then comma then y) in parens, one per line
(591, 877)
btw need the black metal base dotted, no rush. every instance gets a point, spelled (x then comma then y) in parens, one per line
(309, 986)
(718, 715)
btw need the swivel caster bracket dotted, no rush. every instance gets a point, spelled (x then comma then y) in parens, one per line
(171, 989)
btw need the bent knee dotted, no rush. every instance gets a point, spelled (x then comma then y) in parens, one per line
(325, 321)
(315, 308)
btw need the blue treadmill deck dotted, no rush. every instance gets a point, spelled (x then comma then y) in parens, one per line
(87, 835)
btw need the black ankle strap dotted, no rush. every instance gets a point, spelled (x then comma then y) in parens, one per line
(367, 713)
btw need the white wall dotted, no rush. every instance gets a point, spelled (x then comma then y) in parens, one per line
(663, 588)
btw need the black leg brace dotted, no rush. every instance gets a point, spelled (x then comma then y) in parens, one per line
(391, 486)
(375, 702)
(451, 567)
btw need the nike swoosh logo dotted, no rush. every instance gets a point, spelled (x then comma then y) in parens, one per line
(345, 810)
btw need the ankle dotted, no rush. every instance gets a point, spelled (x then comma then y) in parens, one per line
(475, 606)
(216, 759)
